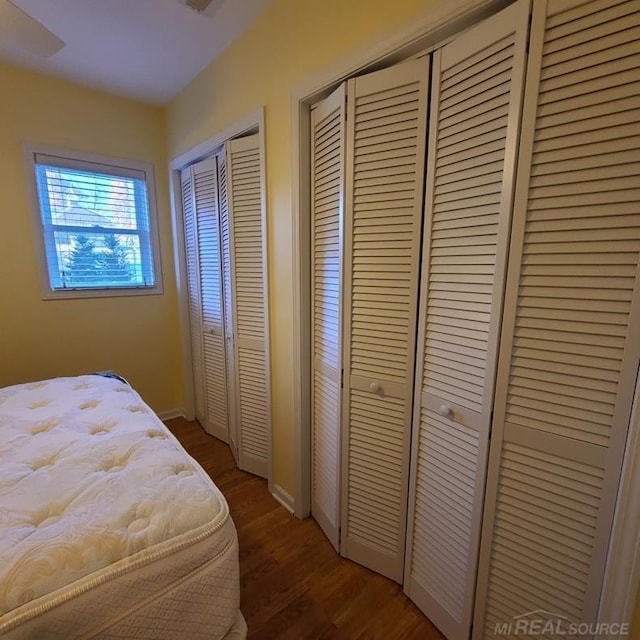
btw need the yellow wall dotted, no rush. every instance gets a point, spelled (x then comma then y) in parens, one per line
(136, 336)
(292, 41)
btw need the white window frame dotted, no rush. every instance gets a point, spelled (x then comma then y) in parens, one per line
(34, 154)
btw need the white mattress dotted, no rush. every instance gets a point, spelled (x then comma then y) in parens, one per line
(108, 529)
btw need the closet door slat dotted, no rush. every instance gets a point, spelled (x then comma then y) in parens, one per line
(386, 127)
(327, 220)
(205, 194)
(245, 190)
(229, 311)
(570, 346)
(193, 291)
(460, 311)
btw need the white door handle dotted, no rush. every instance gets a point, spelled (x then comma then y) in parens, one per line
(375, 387)
(445, 410)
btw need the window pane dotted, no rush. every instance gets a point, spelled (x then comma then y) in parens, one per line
(80, 198)
(94, 259)
(96, 229)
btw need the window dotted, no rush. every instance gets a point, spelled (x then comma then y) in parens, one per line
(96, 225)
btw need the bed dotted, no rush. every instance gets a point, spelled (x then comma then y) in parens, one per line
(108, 529)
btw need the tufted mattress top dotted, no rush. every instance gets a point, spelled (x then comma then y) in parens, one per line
(92, 485)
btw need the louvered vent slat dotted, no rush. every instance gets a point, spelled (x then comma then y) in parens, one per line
(193, 289)
(370, 479)
(214, 358)
(436, 379)
(244, 190)
(567, 368)
(474, 119)
(584, 279)
(394, 224)
(248, 247)
(327, 195)
(229, 312)
(443, 523)
(565, 533)
(253, 402)
(387, 120)
(205, 190)
(226, 246)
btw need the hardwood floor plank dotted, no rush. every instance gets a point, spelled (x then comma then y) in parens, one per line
(293, 585)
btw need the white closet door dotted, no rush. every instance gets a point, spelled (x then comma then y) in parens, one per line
(193, 291)
(327, 202)
(476, 97)
(205, 194)
(386, 130)
(570, 351)
(249, 260)
(229, 311)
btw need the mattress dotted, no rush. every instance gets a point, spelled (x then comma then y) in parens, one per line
(108, 529)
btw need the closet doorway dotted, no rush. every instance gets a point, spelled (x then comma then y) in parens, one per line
(408, 271)
(565, 359)
(222, 261)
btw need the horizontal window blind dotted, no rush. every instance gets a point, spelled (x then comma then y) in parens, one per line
(96, 227)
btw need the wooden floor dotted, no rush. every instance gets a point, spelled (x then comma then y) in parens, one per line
(293, 584)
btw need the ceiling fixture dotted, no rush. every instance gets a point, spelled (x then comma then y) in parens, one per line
(203, 7)
(198, 5)
(19, 28)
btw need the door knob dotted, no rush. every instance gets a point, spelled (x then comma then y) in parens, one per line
(445, 410)
(375, 387)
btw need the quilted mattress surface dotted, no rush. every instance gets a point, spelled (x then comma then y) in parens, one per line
(93, 488)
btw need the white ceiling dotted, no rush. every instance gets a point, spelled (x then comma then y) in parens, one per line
(143, 49)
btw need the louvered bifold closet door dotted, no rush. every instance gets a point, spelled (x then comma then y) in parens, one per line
(248, 257)
(226, 241)
(205, 194)
(327, 211)
(476, 97)
(386, 138)
(570, 350)
(193, 292)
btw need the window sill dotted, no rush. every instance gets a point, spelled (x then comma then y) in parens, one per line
(69, 294)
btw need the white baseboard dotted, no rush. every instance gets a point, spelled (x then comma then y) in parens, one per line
(170, 414)
(284, 498)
